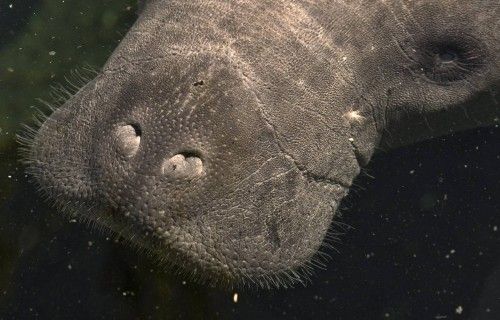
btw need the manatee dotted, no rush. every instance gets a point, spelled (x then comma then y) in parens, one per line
(221, 135)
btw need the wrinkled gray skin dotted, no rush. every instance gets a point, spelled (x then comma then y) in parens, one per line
(221, 135)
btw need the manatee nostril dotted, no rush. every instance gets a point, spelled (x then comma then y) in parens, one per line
(128, 139)
(183, 165)
(137, 129)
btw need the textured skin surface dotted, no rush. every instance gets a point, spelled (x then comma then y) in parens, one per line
(221, 135)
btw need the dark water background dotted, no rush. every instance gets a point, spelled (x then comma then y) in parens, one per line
(424, 241)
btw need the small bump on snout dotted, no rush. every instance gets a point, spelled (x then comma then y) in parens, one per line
(183, 165)
(128, 139)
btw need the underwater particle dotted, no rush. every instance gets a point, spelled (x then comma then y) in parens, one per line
(126, 293)
(52, 53)
(495, 228)
(459, 310)
(235, 297)
(452, 251)
(70, 267)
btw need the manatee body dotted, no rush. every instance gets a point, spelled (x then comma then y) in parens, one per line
(221, 136)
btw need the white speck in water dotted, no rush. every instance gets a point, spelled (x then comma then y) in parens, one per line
(52, 53)
(495, 228)
(459, 310)
(452, 251)
(70, 267)
(351, 139)
(11, 5)
(412, 171)
(9, 176)
(235, 297)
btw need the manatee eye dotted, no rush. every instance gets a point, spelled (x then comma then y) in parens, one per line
(447, 56)
(450, 60)
(128, 139)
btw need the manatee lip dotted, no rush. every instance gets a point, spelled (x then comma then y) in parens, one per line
(230, 275)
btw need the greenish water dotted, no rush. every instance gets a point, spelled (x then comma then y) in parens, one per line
(424, 242)
(58, 37)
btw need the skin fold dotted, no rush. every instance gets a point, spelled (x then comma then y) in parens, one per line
(221, 136)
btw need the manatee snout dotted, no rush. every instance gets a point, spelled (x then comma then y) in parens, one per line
(191, 170)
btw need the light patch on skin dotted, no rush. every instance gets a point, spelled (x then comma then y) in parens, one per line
(354, 116)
